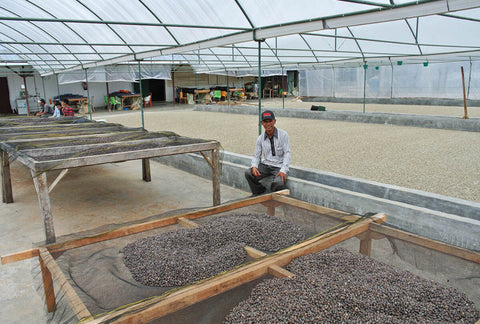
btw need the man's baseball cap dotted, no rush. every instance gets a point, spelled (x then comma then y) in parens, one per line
(42, 100)
(267, 114)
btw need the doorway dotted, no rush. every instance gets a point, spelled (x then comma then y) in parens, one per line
(5, 107)
(155, 86)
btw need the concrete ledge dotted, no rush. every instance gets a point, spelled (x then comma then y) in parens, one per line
(398, 101)
(427, 121)
(438, 217)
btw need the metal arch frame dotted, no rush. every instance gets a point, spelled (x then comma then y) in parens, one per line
(381, 13)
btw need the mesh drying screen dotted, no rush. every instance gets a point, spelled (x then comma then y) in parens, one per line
(104, 284)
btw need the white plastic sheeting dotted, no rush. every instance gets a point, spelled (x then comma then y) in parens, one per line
(124, 72)
(58, 35)
(440, 80)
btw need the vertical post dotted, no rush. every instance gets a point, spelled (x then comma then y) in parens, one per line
(365, 243)
(7, 194)
(173, 87)
(146, 174)
(141, 92)
(109, 107)
(43, 86)
(216, 175)
(465, 115)
(283, 89)
(365, 67)
(88, 96)
(47, 286)
(228, 90)
(58, 88)
(26, 94)
(40, 182)
(259, 87)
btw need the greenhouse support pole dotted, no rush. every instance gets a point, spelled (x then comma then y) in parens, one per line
(465, 115)
(365, 66)
(88, 96)
(228, 90)
(141, 92)
(43, 86)
(259, 87)
(26, 94)
(391, 81)
(58, 88)
(283, 89)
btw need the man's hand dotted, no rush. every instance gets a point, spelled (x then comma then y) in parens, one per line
(255, 172)
(282, 175)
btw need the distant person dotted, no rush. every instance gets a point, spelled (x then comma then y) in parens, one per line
(275, 147)
(66, 109)
(46, 109)
(56, 113)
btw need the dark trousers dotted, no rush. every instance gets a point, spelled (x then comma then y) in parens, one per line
(258, 188)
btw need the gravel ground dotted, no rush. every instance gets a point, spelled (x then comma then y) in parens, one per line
(445, 162)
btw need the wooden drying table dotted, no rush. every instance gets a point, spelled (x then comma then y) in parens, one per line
(43, 144)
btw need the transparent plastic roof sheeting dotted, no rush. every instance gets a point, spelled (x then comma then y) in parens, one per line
(58, 35)
(438, 80)
(103, 282)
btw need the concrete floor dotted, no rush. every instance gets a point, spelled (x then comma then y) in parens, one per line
(84, 199)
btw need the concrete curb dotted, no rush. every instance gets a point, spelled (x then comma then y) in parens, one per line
(446, 219)
(427, 121)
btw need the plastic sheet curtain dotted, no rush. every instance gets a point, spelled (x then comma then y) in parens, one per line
(439, 80)
(123, 72)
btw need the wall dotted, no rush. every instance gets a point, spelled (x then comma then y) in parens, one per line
(47, 88)
(436, 80)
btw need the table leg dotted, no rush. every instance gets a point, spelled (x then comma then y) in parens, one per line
(147, 176)
(7, 194)
(216, 176)
(40, 182)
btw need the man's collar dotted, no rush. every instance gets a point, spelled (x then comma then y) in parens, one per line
(275, 133)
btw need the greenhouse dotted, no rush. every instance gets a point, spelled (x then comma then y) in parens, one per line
(341, 49)
(137, 204)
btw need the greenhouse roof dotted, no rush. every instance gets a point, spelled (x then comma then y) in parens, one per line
(215, 36)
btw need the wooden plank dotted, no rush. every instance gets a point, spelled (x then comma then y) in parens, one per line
(315, 208)
(75, 302)
(121, 156)
(40, 182)
(48, 288)
(5, 137)
(91, 147)
(254, 253)
(7, 193)
(137, 228)
(187, 223)
(133, 229)
(72, 138)
(19, 256)
(428, 243)
(161, 306)
(57, 179)
(279, 272)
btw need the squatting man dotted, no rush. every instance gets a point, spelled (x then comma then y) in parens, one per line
(275, 147)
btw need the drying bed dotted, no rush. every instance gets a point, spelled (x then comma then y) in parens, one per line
(97, 285)
(46, 144)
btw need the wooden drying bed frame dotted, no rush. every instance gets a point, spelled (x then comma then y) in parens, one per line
(22, 130)
(365, 229)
